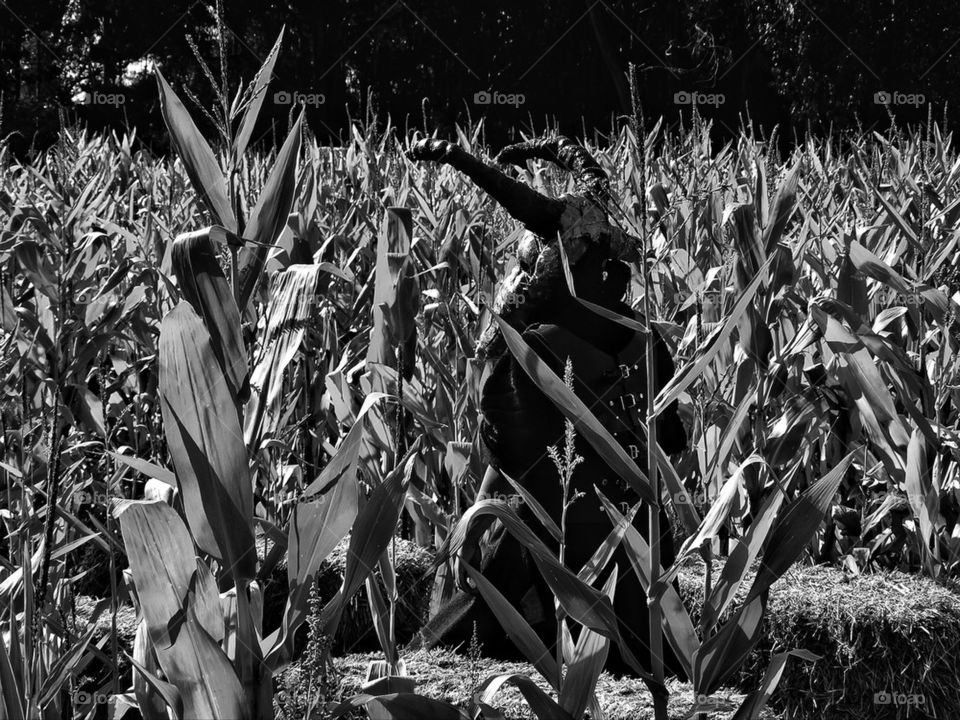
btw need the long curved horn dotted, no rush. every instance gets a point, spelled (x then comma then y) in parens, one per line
(573, 157)
(537, 212)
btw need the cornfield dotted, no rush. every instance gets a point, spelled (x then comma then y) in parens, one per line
(224, 360)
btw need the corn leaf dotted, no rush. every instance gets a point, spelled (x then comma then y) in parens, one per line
(380, 614)
(715, 342)
(206, 442)
(897, 218)
(796, 527)
(677, 624)
(205, 287)
(65, 667)
(538, 510)
(517, 628)
(544, 707)
(862, 380)
(270, 214)
(783, 207)
(400, 706)
(761, 201)
(153, 695)
(164, 567)
(587, 661)
(151, 470)
(689, 517)
(602, 555)
(715, 518)
(392, 306)
(316, 527)
(374, 527)
(197, 157)
(921, 492)
(576, 411)
(741, 559)
(721, 655)
(258, 90)
(581, 602)
(870, 265)
(291, 305)
(757, 700)
(11, 692)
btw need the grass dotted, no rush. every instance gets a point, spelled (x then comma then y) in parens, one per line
(886, 631)
(450, 676)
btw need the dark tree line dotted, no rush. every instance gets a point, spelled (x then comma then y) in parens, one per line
(820, 64)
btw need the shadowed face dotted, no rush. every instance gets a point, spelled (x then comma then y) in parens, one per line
(536, 291)
(596, 278)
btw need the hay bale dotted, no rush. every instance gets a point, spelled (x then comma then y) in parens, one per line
(414, 581)
(888, 643)
(95, 612)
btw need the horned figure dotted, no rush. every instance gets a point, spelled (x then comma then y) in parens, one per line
(519, 423)
(579, 220)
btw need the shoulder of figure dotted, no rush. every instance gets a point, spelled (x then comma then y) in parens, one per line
(551, 343)
(544, 332)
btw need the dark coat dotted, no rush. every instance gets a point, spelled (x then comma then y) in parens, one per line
(519, 424)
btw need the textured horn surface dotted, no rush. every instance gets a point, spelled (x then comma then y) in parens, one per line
(590, 178)
(585, 221)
